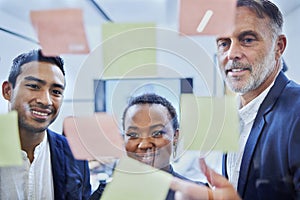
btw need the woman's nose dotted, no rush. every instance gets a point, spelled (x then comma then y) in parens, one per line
(145, 143)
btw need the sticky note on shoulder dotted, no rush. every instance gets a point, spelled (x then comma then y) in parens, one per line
(10, 147)
(209, 123)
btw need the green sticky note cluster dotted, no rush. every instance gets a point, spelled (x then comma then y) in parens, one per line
(129, 50)
(10, 147)
(209, 123)
(135, 181)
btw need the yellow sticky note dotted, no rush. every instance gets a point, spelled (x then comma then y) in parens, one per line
(129, 50)
(135, 181)
(209, 123)
(10, 147)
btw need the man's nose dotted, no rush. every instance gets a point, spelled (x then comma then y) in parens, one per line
(44, 98)
(235, 51)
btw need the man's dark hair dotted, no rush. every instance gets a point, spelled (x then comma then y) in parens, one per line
(34, 55)
(151, 98)
(265, 7)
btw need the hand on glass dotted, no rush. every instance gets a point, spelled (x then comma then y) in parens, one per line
(220, 187)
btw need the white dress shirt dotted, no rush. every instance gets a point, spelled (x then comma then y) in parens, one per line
(247, 115)
(32, 181)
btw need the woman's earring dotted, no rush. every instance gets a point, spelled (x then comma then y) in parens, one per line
(174, 151)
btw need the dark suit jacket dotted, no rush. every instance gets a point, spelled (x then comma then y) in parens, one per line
(270, 166)
(71, 178)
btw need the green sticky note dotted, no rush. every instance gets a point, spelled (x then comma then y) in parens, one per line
(209, 123)
(10, 148)
(129, 50)
(135, 181)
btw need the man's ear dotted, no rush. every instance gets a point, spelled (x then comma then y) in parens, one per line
(6, 90)
(280, 46)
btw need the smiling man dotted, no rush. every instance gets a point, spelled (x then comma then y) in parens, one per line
(249, 60)
(267, 165)
(35, 89)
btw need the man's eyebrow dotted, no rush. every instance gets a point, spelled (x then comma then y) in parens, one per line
(59, 86)
(243, 34)
(221, 38)
(32, 78)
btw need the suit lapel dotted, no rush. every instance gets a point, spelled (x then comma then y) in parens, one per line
(248, 154)
(58, 163)
(257, 128)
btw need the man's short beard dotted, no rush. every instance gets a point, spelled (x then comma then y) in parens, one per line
(258, 77)
(31, 128)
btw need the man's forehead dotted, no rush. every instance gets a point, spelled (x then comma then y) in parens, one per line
(36, 66)
(42, 71)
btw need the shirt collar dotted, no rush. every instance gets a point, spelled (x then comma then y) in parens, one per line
(249, 111)
(37, 149)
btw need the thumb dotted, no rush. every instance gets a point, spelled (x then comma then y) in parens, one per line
(213, 177)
